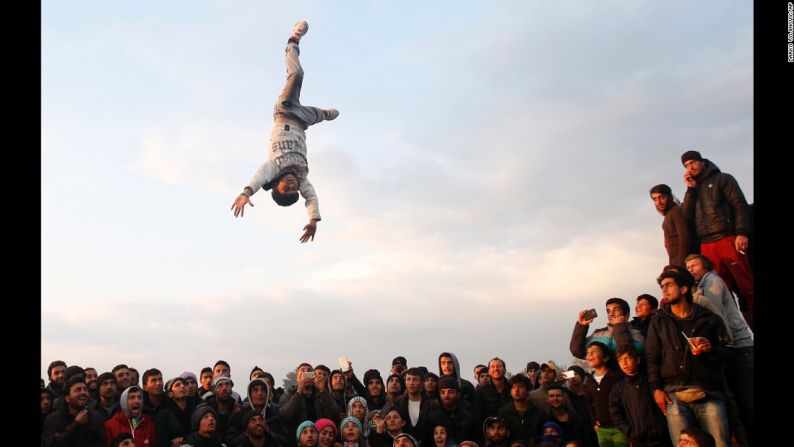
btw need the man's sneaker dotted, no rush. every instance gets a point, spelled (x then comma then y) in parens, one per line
(330, 114)
(300, 29)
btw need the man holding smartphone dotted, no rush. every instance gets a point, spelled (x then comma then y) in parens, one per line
(722, 222)
(618, 331)
(309, 400)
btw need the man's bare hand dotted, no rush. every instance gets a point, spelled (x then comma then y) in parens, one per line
(661, 400)
(308, 231)
(239, 204)
(581, 319)
(82, 417)
(742, 243)
(689, 181)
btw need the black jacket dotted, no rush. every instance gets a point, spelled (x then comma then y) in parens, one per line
(60, 429)
(717, 205)
(635, 413)
(671, 365)
(172, 423)
(488, 401)
(460, 423)
(597, 395)
(426, 406)
(523, 428)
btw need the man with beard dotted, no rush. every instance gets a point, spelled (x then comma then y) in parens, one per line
(258, 400)
(678, 240)
(74, 424)
(684, 369)
(722, 222)
(495, 432)
(132, 420)
(456, 418)
(123, 377)
(173, 421)
(222, 403)
(55, 372)
(90, 381)
(107, 403)
(255, 430)
(495, 393)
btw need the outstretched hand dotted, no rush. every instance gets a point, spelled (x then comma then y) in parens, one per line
(239, 204)
(308, 231)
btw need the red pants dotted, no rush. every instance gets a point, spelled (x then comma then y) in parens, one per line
(734, 268)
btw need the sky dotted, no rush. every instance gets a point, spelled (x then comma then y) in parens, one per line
(487, 177)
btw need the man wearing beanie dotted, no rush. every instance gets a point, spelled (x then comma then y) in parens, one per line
(722, 222)
(453, 414)
(203, 422)
(222, 403)
(684, 368)
(448, 364)
(254, 434)
(108, 403)
(258, 400)
(74, 424)
(678, 231)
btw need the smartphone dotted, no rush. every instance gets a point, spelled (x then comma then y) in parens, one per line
(590, 314)
(568, 374)
(307, 375)
(344, 363)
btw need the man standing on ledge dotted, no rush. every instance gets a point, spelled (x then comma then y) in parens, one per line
(721, 214)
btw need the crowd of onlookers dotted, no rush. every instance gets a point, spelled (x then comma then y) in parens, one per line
(679, 373)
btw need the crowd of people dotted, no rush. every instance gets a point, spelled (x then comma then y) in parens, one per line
(679, 373)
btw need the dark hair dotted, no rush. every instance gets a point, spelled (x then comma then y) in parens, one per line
(522, 379)
(702, 437)
(222, 362)
(555, 386)
(604, 348)
(662, 189)
(504, 365)
(72, 381)
(284, 199)
(414, 371)
(270, 376)
(622, 303)
(205, 369)
(431, 375)
(255, 369)
(650, 299)
(629, 349)
(681, 277)
(53, 365)
(323, 368)
(89, 367)
(304, 364)
(118, 367)
(121, 437)
(150, 373)
(707, 264)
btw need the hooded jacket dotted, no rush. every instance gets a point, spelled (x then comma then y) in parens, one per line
(717, 205)
(294, 408)
(143, 434)
(466, 388)
(671, 365)
(276, 433)
(365, 424)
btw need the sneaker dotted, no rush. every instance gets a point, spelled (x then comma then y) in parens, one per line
(300, 29)
(330, 114)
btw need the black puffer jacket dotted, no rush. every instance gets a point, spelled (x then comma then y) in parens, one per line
(670, 362)
(717, 204)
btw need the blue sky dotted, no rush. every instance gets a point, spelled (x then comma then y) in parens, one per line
(487, 178)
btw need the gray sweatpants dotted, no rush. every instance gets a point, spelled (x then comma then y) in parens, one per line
(288, 103)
